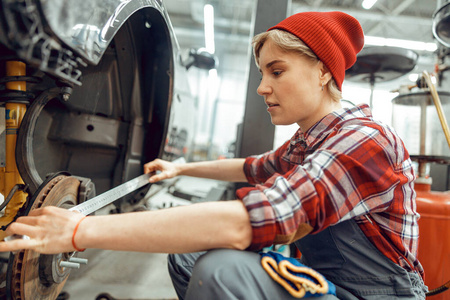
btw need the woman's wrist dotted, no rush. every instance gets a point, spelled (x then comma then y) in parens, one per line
(181, 169)
(75, 243)
(79, 236)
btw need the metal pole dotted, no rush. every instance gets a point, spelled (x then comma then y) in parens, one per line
(257, 131)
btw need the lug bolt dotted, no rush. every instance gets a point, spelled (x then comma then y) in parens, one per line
(78, 260)
(67, 264)
(66, 97)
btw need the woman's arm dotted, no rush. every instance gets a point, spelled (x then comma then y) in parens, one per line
(226, 170)
(196, 227)
(203, 226)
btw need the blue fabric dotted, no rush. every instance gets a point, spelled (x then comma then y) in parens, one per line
(278, 258)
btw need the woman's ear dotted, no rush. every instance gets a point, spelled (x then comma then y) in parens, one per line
(324, 73)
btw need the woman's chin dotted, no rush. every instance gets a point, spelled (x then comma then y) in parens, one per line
(278, 122)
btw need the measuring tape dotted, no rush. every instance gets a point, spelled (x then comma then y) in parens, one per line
(94, 204)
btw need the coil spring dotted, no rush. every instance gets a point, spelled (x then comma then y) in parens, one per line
(16, 96)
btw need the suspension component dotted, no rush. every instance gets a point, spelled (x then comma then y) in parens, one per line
(15, 98)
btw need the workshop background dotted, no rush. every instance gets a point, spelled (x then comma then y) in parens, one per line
(223, 117)
(220, 95)
(405, 23)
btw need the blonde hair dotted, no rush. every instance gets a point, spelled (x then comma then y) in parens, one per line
(289, 42)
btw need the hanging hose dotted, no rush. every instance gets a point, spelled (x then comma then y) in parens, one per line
(437, 103)
(439, 290)
(11, 194)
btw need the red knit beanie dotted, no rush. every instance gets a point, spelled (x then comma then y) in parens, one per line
(335, 37)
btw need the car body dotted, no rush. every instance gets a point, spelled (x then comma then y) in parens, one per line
(123, 77)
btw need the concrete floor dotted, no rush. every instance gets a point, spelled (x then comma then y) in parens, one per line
(123, 275)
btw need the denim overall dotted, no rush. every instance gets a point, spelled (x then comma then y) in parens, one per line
(344, 255)
(341, 253)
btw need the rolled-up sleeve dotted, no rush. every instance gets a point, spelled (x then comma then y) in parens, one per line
(259, 168)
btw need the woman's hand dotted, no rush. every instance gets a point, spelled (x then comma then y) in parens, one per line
(50, 230)
(168, 170)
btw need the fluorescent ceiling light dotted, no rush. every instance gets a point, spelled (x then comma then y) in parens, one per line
(367, 4)
(208, 14)
(413, 45)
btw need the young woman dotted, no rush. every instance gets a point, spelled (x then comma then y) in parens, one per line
(341, 189)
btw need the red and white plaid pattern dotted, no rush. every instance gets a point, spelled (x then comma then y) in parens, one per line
(346, 166)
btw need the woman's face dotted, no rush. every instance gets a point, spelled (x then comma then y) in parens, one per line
(291, 85)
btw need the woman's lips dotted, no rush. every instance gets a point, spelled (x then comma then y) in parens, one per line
(271, 107)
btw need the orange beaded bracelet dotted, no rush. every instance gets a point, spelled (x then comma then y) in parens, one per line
(74, 233)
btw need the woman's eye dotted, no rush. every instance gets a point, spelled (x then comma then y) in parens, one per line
(276, 73)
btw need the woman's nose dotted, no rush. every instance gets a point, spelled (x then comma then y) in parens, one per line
(263, 88)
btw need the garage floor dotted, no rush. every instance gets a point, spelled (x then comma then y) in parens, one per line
(123, 275)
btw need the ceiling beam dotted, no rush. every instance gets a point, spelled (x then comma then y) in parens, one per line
(394, 15)
(368, 15)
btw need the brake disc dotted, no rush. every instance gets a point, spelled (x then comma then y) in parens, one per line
(38, 276)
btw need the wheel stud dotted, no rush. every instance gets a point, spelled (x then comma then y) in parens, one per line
(67, 264)
(78, 260)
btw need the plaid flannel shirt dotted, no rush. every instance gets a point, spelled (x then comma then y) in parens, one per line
(347, 166)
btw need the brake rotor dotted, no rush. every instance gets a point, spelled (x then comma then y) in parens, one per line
(38, 276)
